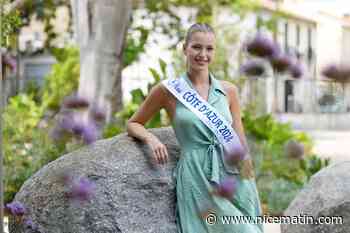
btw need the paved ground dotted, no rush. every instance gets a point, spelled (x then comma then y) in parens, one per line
(333, 144)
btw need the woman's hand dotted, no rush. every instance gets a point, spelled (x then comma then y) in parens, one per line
(159, 150)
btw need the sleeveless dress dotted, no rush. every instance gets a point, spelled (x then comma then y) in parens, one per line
(200, 166)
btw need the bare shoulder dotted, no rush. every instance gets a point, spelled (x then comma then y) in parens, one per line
(229, 88)
(164, 91)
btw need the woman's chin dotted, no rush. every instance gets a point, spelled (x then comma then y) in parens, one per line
(200, 68)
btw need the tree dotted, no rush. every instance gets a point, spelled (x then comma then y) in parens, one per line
(100, 28)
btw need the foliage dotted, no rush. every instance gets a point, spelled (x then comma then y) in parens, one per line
(63, 79)
(138, 96)
(27, 143)
(26, 146)
(279, 177)
(9, 24)
(134, 47)
(44, 11)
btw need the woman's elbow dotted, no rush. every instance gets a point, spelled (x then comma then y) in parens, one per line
(129, 125)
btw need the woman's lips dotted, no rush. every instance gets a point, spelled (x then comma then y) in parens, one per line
(201, 62)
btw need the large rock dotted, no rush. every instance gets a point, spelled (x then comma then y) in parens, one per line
(132, 194)
(327, 194)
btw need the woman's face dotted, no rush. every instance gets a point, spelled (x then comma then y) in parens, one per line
(200, 50)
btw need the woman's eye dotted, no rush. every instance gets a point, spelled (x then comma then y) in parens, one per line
(196, 47)
(209, 49)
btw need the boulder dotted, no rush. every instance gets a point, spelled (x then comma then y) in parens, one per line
(327, 194)
(132, 195)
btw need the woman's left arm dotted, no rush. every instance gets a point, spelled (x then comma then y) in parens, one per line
(233, 97)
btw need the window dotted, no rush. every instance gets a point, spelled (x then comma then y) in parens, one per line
(286, 47)
(309, 46)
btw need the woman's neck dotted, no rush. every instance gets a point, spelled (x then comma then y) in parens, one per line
(199, 78)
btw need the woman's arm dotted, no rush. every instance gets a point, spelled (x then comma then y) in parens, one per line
(236, 113)
(135, 126)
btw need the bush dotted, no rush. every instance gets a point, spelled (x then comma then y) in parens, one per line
(26, 140)
(279, 177)
(26, 146)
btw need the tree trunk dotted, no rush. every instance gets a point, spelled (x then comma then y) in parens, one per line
(100, 27)
(117, 91)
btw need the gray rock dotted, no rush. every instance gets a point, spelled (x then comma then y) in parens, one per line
(132, 194)
(327, 194)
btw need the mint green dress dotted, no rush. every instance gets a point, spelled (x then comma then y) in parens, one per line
(200, 166)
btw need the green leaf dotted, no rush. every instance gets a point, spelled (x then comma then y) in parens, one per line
(155, 75)
(163, 66)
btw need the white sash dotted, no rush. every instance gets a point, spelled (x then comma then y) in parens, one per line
(222, 129)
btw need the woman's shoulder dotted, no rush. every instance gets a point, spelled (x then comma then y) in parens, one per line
(163, 92)
(229, 88)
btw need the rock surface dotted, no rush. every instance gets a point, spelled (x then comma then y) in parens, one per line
(132, 194)
(327, 194)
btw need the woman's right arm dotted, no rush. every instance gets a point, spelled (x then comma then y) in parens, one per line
(135, 126)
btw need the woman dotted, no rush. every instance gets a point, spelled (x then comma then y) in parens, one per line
(201, 166)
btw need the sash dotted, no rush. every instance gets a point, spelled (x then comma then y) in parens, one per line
(222, 129)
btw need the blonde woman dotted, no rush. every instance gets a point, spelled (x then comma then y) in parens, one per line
(200, 174)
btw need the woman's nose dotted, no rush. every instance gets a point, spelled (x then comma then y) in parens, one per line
(202, 53)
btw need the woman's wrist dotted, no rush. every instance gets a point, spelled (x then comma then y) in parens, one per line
(148, 137)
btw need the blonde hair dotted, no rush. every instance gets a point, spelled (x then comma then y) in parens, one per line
(197, 27)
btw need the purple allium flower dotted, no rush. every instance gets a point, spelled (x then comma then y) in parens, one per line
(226, 187)
(67, 121)
(66, 177)
(294, 149)
(78, 128)
(236, 156)
(296, 70)
(280, 62)
(29, 224)
(10, 61)
(337, 73)
(82, 190)
(331, 71)
(253, 68)
(90, 132)
(261, 46)
(56, 133)
(76, 102)
(15, 208)
(98, 115)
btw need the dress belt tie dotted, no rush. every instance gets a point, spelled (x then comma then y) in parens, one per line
(212, 166)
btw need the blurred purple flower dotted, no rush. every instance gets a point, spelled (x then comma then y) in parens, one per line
(253, 68)
(296, 70)
(226, 187)
(76, 102)
(78, 128)
(337, 73)
(10, 61)
(90, 132)
(15, 208)
(235, 156)
(280, 62)
(67, 121)
(82, 190)
(66, 177)
(29, 224)
(98, 114)
(294, 149)
(261, 46)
